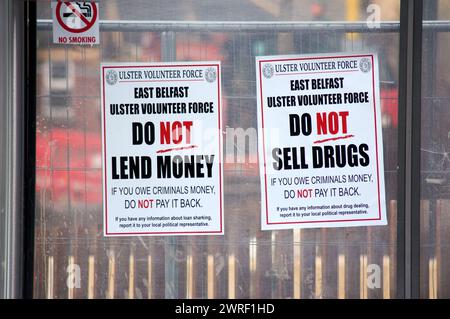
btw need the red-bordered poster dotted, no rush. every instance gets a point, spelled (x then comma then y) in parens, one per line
(162, 148)
(320, 141)
(75, 22)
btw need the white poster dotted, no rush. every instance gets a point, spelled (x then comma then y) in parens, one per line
(320, 141)
(75, 22)
(162, 148)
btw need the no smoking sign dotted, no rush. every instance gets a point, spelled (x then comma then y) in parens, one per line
(75, 22)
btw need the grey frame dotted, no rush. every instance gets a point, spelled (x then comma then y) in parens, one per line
(13, 103)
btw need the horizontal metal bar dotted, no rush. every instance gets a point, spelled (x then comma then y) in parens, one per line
(242, 242)
(443, 25)
(254, 26)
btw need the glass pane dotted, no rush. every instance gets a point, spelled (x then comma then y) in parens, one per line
(74, 260)
(435, 168)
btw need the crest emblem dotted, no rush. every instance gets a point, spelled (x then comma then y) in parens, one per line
(210, 75)
(365, 65)
(268, 70)
(111, 77)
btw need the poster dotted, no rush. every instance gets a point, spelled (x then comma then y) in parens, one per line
(75, 22)
(162, 148)
(320, 141)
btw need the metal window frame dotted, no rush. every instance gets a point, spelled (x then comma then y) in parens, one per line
(18, 147)
(29, 158)
(409, 138)
(408, 231)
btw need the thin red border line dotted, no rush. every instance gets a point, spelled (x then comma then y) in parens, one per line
(220, 151)
(105, 172)
(376, 138)
(154, 66)
(300, 73)
(161, 233)
(264, 142)
(324, 221)
(136, 81)
(318, 58)
(220, 142)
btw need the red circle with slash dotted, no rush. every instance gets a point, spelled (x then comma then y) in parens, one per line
(88, 24)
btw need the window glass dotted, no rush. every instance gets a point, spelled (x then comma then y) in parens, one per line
(435, 139)
(74, 260)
